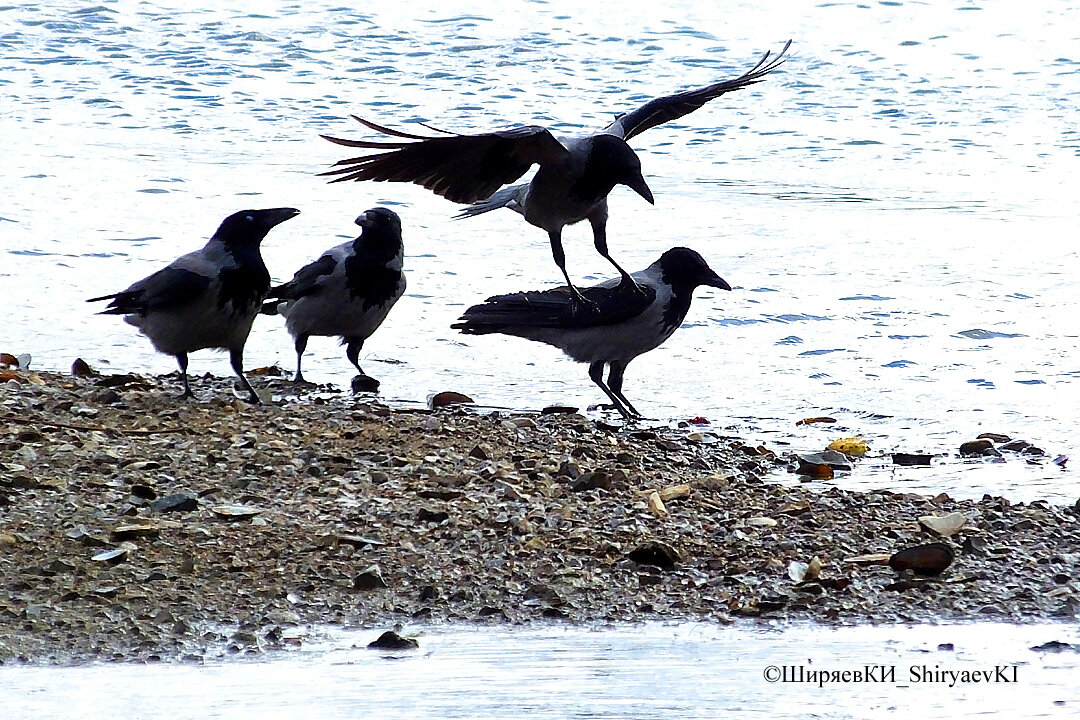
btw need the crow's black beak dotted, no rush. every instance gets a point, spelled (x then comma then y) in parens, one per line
(637, 184)
(714, 280)
(280, 215)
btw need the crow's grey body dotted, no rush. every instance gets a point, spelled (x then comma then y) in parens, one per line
(618, 325)
(207, 298)
(347, 292)
(574, 177)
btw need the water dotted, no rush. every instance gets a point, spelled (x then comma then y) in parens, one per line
(690, 670)
(895, 209)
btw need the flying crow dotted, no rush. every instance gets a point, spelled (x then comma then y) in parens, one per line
(572, 182)
(347, 292)
(624, 324)
(207, 298)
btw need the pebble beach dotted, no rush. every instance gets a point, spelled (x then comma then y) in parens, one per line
(140, 527)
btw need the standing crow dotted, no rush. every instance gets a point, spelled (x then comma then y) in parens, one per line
(623, 325)
(347, 292)
(571, 184)
(207, 298)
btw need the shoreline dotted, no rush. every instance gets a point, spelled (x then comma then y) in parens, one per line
(221, 528)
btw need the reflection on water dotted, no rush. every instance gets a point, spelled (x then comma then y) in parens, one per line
(693, 670)
(890, 207)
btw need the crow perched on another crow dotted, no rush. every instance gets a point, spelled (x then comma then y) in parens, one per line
(347, 292)
(207, 298)
(572, 182)
(622, 324)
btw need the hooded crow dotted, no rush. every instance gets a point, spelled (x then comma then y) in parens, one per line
(572, 182)
(624, 324)
(208, 298)
(347, 292)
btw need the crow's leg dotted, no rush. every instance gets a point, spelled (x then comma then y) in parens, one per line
(599, 229)
(614, 381)
(596, 372)
(301, 346)
(236, 359)
(363, 383)
(560, 260)
(181, 360)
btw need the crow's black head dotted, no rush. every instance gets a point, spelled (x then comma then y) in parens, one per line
(683, 268)
(249, 227)
(380, 241)
(620, 163)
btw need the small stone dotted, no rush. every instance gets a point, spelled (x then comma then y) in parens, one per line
(558, 410)
(994, 437)
(432, 516)
(979, 448)
(448, 398)
(930, 559)
(370, 578)
(135, 530)
(390, 640)
(912, 459)
(176, 502)
(943, 525)
(655, 553)
(80, 368)
(235, 512)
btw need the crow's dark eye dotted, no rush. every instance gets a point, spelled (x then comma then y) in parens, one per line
(249, 218)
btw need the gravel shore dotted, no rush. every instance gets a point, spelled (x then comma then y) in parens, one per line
(136, 526)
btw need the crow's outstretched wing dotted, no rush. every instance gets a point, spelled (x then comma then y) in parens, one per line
(661, 110)
(461, 168)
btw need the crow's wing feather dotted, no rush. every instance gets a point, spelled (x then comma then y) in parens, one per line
(556, 309)
(164, 289)
(661, 110)
(461, 168)
(306, 280)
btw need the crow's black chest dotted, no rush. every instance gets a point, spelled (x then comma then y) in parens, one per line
(373, 284)
(246, 285)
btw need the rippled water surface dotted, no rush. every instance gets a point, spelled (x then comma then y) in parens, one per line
(895, 208)
(648, 671)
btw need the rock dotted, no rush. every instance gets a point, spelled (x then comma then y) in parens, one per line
(390, 640)
(432, 516)
(1056, 646)
(364, 384)
(176, 502)
(994, 437)
(909, 459)
(655, 553)
(80, 368)
(812, 464)
(761, 522)
(370, 578)
(558, 410)
(135, 530)
(930, 559)
(447, 398)
(804, 572)
(235, 512)
(111, 557)
(598, 479)
(851, 446)
(656, 505)
(541, 594)
(979, 448)
(1022, 446)
(943, 525)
